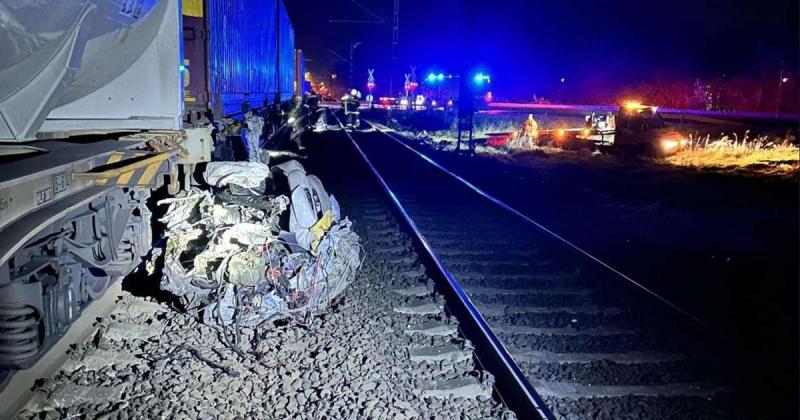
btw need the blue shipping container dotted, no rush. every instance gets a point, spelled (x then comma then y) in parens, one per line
(244, 56)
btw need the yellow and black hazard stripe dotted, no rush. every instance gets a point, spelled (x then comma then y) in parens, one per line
(144, 171)
(140, 177)
(117, 157)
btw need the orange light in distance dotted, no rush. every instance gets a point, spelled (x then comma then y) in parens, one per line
(632, 105)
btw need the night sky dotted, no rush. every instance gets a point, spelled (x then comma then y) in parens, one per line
(528, 46)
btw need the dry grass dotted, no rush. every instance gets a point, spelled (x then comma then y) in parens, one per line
(760, 154)
(483, 127)
(445, 140)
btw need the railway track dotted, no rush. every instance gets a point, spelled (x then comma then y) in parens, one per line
(588, 344)
(582, 347)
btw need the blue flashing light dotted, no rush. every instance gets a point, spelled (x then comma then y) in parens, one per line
(182, 68)
(435, 78)
(480, 78)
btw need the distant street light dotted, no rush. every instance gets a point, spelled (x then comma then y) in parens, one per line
(778, 97)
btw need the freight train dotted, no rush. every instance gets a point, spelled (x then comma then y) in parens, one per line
(101, 103)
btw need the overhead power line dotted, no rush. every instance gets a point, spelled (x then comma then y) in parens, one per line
(377, 20)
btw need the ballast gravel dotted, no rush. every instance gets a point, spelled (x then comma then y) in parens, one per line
(147, 361)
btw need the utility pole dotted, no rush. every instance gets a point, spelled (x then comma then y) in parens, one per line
(395, 44)
(353, 46)
(466, 114)
(375, 19)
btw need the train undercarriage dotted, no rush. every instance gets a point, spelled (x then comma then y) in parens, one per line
(47, 283)
(74, 219)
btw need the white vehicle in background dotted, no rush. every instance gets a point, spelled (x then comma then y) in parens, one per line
(637, 128)
(600, 128)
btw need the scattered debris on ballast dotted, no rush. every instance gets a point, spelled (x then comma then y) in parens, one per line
(261, 244)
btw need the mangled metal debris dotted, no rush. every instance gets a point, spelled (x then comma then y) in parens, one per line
(239, 258)
(252, 137)
(247, 175)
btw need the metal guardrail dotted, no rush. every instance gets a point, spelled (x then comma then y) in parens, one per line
(723, 115)
(512, 386)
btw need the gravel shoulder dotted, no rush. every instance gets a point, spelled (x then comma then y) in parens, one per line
(147, 361)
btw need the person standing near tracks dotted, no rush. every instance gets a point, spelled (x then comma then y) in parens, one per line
(530, 129)
(312, 108)
(351, 102)
(528, 137)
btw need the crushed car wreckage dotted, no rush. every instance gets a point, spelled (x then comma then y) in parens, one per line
(237, 257)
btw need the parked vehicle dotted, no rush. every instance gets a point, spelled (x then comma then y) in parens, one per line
(637, 128)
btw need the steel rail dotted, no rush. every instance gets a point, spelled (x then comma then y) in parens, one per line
(512, 386)
(660, 299)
